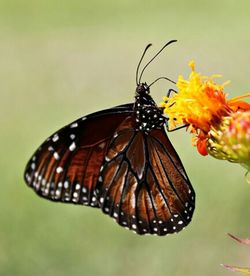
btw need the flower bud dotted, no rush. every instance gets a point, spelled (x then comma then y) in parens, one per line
(230, 140)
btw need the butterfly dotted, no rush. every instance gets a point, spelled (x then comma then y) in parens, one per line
(121, 161)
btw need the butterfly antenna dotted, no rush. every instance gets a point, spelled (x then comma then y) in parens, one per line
(170, 42)
(139, 64)
(162, 78)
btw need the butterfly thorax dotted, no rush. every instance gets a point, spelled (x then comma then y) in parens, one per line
(148, 114)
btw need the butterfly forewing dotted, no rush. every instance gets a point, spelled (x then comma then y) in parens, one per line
(67, 165)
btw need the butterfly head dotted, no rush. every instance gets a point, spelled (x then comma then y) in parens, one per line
(142, 89)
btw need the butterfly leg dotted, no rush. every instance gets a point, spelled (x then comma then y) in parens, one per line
(169, 94)
(171, 91)
(177, 128)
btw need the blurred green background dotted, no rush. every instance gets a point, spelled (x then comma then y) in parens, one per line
(62, 59)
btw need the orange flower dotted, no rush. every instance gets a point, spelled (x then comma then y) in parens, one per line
(202, 105)
(200, 102)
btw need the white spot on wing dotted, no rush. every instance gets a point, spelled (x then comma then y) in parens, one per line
(56, 155)
(72, 147)
(66, 185)
(55, 138)
(28, 178)
(78, 186)
(74, 125)
(59, 169)
(50, 148)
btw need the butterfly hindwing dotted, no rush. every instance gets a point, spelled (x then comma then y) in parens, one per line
(175, 194)
(143, 184)
(67, 165)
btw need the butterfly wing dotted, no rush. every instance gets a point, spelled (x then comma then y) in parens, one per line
(173, 198)
(67, 165)
(143, 184)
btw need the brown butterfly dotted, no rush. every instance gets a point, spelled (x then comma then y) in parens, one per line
(121, 161)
